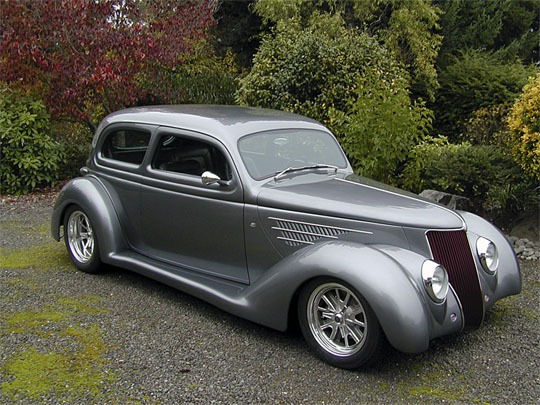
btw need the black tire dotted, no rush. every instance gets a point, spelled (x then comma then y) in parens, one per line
(338, 324)
(81, 240)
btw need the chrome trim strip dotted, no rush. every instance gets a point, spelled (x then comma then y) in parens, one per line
(294, 240)
(321, 226)
(304, 233)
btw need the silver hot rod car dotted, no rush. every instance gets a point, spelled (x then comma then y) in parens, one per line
(258, 212)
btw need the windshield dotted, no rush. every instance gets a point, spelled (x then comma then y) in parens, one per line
(267, 153)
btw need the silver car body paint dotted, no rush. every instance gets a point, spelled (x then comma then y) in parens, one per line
(248, 246)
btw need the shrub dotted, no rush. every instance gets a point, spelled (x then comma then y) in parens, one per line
(345, 79)
(75, 141)
(488, 126)
(524, 124)
(380, 126)
(496, 186)
(473, 80)
(29, 157)
(309, 70)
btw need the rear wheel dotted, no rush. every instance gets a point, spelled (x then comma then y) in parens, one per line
(338, 323)
(81, 241)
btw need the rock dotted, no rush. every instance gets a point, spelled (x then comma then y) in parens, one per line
(452, 201)
(512, 239)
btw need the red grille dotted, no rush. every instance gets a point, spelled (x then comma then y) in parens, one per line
(452, 250)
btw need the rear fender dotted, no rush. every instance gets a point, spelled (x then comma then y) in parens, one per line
(89, 194)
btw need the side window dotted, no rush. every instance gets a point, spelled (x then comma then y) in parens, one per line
(190, 156)
(126, 145)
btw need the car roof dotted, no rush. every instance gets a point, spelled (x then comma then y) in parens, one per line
(227, 122)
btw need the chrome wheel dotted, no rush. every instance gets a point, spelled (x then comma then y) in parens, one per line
(337, 319)
(80, 237)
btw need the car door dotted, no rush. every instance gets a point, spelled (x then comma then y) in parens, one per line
(184, 222)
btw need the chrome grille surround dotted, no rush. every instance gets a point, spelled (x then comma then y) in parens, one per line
(297, 233)
(452, 250)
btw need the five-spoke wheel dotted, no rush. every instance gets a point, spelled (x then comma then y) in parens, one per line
(338, 323)
(81, 242)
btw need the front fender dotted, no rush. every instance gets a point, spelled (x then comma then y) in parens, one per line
(507, 280)
(88, 193)
(393, 294)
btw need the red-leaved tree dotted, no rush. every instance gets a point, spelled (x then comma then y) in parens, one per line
(83, 54)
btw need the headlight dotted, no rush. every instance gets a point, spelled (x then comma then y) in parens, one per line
(488, 255)
(435, 280)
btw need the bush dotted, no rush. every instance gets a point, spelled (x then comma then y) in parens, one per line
(524, 124)
(75, 142)
(309, 70)
(345, 79)
(473, 80)
(30, 158)
(381, 126)
(497, 187)
(488, 126)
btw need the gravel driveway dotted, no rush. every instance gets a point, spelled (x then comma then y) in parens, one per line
(117, 337)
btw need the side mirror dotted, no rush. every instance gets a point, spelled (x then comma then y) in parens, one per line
(209, 178)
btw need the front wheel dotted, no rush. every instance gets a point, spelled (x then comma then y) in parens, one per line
(81, 241)
(338, 324)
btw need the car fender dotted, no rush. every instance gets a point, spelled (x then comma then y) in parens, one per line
(508, 278)
(394, 296)
(89, 193)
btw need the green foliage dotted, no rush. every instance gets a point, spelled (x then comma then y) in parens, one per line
(75, 139)
(381, 125)
(524, 123)
(474, 80)
(495, 25)
(238, 30)
(488, 126)
(203, 78)
(406, 28)
(494, 183)
(311, 70)
(29, 156)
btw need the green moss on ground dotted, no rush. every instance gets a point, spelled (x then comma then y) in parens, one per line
(65, 356)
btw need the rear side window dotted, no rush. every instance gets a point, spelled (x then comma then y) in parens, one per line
(126, 145)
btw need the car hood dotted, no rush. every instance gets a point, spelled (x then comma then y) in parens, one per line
(356, 197)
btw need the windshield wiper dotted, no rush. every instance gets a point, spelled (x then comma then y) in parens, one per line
(297, 169)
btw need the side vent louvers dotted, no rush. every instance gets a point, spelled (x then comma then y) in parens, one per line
(297, 233)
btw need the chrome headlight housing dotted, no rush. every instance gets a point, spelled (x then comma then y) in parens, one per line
(488, 255)
(435, 280)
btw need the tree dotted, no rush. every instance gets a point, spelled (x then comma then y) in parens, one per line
(407, 28)
(507, 26)
(85, 54)
(237, 30)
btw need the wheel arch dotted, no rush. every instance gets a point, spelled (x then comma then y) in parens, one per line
(91, 196)
(393, 296)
